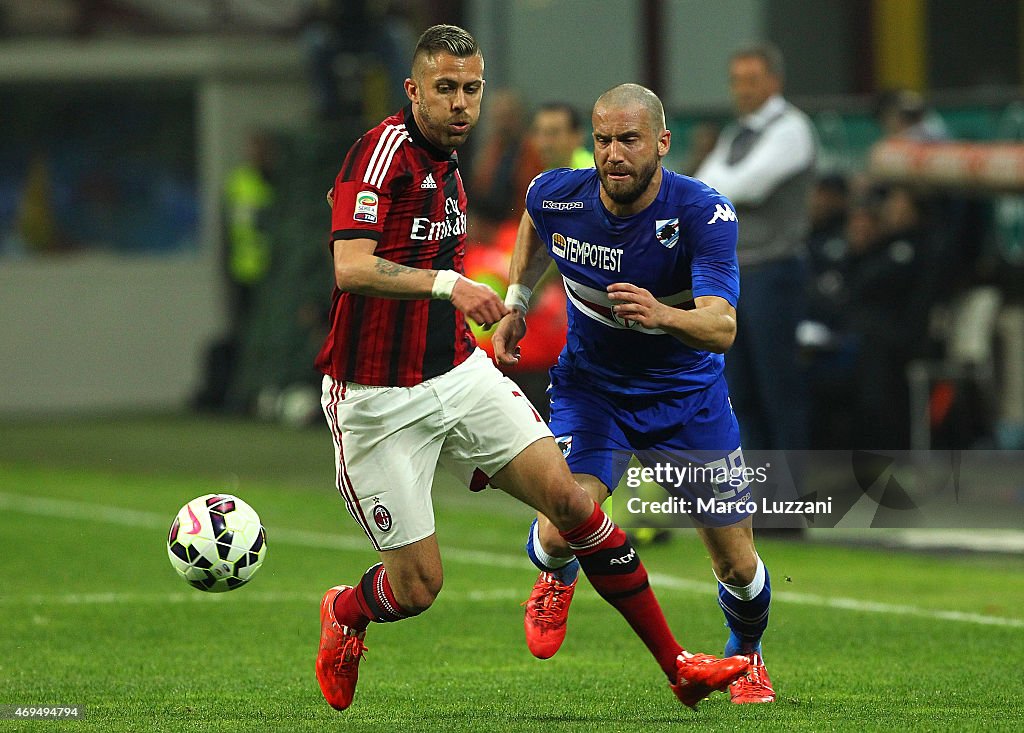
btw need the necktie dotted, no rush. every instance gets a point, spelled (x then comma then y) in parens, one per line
(741, 145)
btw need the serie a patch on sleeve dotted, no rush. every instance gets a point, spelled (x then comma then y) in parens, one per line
(366, 207)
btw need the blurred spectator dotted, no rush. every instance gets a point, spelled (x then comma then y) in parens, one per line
(249, 194)
(956, 217)
(764, 163)
(827, 249)
(828, 349)
(902, 113)
(889, 301)
(503, 167)
(558, 137)
(36, 227)
(828, 206)
(703, 137)
(344, 39)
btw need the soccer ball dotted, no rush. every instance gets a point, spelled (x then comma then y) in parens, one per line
(217, 543)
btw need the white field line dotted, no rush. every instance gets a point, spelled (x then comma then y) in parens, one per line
(69, 509)
(190, 596)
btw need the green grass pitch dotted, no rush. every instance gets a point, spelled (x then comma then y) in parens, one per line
(91, 612)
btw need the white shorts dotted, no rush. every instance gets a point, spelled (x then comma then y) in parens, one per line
(389, 440)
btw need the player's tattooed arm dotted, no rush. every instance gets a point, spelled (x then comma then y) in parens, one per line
(358, 270)
(387, 268)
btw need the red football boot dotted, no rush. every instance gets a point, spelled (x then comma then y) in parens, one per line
(546, 613)
(341, 648)
(755, 686)
(702, 674)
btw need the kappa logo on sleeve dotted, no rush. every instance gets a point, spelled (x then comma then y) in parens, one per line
(366, 207)
(723, 213)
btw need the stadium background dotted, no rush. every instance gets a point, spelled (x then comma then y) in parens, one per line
(122, 122)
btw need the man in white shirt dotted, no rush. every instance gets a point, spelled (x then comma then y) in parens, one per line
(764, 163)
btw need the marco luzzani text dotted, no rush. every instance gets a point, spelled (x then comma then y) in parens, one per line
(729, 485)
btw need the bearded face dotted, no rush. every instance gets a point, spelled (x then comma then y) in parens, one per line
(627, 154)
(446, 95)
(624, 182)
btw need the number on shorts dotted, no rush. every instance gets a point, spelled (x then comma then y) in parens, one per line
(735, 468)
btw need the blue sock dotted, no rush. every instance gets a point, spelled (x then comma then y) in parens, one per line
(565, 569)
(746, 612)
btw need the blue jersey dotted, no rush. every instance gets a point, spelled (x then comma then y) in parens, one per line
(681, 247)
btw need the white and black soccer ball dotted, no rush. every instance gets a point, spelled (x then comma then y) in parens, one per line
(217, 543)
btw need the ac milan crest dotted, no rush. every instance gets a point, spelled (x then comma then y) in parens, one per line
(382, 517)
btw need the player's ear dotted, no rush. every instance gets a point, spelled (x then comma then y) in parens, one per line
(664, 142)
(411, 90)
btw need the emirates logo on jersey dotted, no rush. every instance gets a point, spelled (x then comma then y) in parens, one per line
(425, 229)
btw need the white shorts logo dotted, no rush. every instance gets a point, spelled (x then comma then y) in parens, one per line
(382, 517)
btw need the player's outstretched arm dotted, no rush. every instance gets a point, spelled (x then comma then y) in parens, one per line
(358, 270)
(711, 326)
(529, 262)
(530, 259)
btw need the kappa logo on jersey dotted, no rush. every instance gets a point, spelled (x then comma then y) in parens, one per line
(666, 231)
(366, 207)
(562, 205)
(723, 213)
(585, 253)
(564, 443)
(428, 182)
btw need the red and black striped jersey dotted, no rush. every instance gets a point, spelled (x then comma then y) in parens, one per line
(401, 191)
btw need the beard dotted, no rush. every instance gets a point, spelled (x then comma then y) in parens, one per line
(438, 132)
(628, 191)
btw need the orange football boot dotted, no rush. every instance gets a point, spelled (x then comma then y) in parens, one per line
(341, 648)
(546, 613)
(755, 686)
(702, 674)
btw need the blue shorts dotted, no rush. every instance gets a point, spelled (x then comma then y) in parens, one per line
(599, 431)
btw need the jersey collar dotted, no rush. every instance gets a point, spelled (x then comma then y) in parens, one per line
(420, 139)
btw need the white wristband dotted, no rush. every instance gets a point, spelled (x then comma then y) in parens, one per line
(518, 298)
(444, 283)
